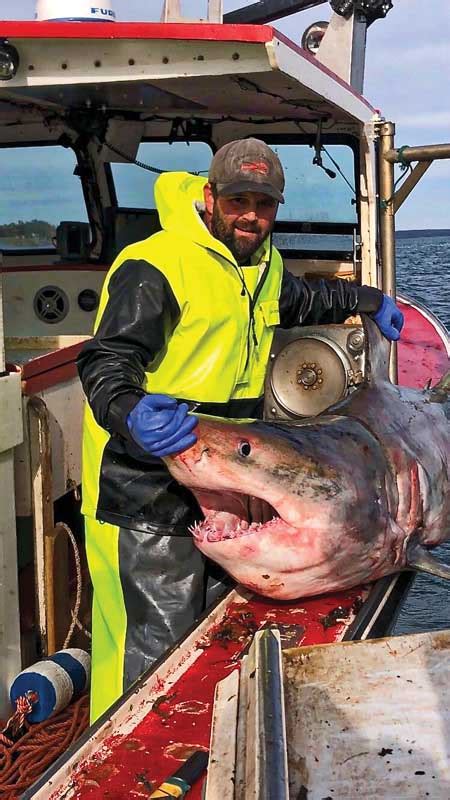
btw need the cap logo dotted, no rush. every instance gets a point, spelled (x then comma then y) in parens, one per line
(255, 166)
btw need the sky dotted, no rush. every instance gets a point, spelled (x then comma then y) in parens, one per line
(407, 78)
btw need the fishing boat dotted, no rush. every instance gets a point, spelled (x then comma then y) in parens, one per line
(91, 114)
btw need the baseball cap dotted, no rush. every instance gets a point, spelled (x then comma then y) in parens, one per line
(247, 165)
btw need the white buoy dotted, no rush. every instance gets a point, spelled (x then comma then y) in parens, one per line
(55, 680)
(75, 11)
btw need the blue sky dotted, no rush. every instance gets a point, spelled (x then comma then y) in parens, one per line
(407, 78)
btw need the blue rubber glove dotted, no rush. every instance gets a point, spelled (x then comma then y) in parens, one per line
(389, 319)
(161, 426)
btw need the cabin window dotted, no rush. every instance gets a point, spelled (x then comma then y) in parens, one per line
(311, 195)
(134, 185)
(39, 190)
(320, 211)
(319, 216)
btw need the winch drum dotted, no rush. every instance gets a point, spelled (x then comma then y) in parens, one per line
(311, 369)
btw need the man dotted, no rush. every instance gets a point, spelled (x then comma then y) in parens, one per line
(186, 319)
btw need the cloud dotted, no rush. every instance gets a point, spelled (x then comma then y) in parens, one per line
(429, 56)
(430, 119)
(441, 170)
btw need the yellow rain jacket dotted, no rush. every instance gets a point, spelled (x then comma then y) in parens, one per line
(177, 316)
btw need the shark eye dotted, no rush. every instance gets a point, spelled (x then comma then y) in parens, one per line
(244, 449)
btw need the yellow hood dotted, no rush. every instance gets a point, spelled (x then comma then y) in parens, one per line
(177, 195)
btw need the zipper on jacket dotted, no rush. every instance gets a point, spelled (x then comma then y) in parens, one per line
(252, 304)
(251, 332)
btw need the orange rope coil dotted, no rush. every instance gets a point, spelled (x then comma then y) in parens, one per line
(23, 762)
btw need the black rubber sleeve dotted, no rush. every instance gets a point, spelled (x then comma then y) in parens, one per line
(138, 319)
(309, 302)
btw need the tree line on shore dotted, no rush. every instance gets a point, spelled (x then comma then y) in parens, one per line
(31, 229)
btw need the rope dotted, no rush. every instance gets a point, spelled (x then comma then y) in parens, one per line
(23, 762)
(400, 157)
(16, 723)
(75, 620)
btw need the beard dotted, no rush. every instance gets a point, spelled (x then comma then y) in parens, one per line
(241, 247)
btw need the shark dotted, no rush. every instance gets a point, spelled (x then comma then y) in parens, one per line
(294, 508)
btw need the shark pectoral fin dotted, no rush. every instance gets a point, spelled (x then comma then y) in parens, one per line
(420, 559)
(444, 383)
(440, 393)
(377, 352)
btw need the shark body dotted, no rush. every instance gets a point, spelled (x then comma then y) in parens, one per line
(299, 508)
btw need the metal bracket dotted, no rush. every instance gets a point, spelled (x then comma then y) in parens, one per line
(410, 182)
(343, 49)
(372, 129)
(357, 251)
(369, 9)
(172, 12)
(189, 130)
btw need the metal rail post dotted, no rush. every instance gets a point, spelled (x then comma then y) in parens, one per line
(423, 152)
(172, 12)
(387, 226)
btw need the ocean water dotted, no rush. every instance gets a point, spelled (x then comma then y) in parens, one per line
(424, 274)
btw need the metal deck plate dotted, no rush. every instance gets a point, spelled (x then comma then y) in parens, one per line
(369, 719)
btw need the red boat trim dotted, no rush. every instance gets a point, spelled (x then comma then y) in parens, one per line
(48, 370)
(46, 380)
(138, 30)
(56, 358)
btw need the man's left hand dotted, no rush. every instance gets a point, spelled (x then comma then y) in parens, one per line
(389, 319)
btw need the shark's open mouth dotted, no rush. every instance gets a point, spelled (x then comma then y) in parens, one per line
(231, 515)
